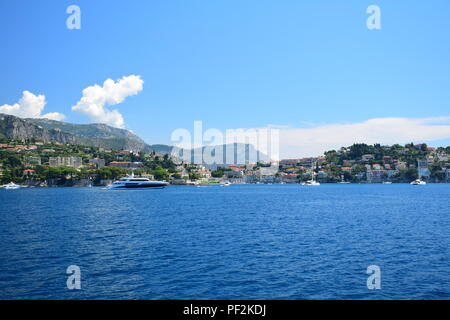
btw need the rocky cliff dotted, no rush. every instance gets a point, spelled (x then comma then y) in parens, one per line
(17, 128)
(97, 135)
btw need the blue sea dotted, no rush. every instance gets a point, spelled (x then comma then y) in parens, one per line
(236, 242)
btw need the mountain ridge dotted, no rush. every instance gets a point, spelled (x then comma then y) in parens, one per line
(100, 135)
(96, 135)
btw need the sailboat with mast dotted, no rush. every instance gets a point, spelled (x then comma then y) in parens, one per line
(418, 182)
(312, 182)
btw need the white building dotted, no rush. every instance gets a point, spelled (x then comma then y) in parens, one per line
(73, 162)
(375, 176)
(367, 157)
(126, 164)
(268, 171)
(98, 163)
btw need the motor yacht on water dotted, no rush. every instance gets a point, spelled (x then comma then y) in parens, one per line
(11, 186)
(418, 182)
(137, 183)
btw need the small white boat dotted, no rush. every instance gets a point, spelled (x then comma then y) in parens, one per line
(226, 184)
(311, 183)
(418, 182)
(343, 180)
(11, 186)
(387, 182)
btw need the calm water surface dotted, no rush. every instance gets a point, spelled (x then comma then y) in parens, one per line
(239, 242)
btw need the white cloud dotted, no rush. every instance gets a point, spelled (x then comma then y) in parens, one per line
(54, 116)
(286, 142)
(30, 106)
(303, 142)
(95, 99)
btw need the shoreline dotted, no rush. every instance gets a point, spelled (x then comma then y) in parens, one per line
(240, 184)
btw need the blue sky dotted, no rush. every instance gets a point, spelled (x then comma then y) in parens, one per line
(233, 64)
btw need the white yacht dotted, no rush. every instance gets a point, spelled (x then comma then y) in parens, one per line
(312, 182)
(137, 183)
(418, 182)
(226, 184)
(11, 186)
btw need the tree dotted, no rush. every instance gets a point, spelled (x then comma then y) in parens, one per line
(176, 176)
(217, 173)
(110, 173)
(160, 173)
(405, 175)
(437, 174)
(194, 176)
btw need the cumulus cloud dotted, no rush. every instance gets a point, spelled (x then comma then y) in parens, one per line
(30, 106)
(95, 99)
(303, 142)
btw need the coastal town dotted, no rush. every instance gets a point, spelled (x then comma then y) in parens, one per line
(37, 163)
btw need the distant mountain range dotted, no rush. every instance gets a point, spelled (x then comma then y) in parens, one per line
(242, 154)
(96, 135)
